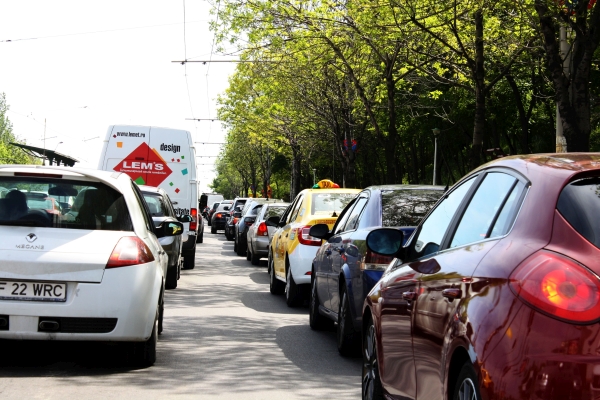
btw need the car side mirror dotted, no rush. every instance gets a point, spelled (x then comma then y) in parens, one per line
(320, 231)
(387, 242)
(226, 208)
(185, 218)
(169, 228)
(273, 221)
(237, 214)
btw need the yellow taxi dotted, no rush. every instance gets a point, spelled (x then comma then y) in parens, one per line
(292, 249)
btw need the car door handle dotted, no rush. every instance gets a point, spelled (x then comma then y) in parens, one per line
(452, 293)
(409, 296)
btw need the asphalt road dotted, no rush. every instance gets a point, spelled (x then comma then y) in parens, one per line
(225, 337)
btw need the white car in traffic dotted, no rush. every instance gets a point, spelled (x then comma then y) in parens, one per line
(97, 276)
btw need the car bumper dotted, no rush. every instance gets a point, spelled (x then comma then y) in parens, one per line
(128, 294)
(301, 262)
(260, 246)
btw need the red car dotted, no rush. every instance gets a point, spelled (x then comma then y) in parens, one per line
(499, 293)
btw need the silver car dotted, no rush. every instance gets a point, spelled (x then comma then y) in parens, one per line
(259, 235)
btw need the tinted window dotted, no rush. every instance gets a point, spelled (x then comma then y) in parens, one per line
(157, 205)
(434, 227)
(491, 195)
(296, 209)
(353, 219)
(328, 203)
(56, 203)
(579, 203)
(274, 212)
(407, 207)
(340, 224)
(509, 211)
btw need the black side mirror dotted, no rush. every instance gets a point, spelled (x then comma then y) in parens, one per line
(320, 231)
(169, 228)
(273, 221)
(185, 218)
(387, 242)
(237, 214)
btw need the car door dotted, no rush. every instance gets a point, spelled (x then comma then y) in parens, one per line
(323, 258)
(338, 251)
(445, 274)
(281, 237)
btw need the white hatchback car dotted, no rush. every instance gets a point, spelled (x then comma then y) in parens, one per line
(97, 275)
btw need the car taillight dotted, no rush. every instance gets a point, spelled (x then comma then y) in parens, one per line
(235, 220)
(375, 261)
(194, 223)
(262, 229)
(218, 215)
(130, 250)
(558, 286)
(305, 238)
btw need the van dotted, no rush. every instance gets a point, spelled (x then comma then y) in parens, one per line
(160, 157)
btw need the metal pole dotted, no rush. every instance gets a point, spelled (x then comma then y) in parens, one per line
(565, 52)
(435, 160)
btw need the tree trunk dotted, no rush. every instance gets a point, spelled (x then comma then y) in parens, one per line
(479, 78)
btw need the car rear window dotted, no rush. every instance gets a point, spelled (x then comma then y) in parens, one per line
(56, 203)
(407, 207)
(579, 204)
(330, 202)
(156, 204)
(274, 212)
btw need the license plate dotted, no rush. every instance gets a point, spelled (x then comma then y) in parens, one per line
(33, 291)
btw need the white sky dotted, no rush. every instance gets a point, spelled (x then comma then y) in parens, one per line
(81, 66)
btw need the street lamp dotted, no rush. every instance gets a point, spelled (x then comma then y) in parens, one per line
(55, 147)
(436, 132)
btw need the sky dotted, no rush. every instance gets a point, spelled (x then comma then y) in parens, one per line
(69, 69)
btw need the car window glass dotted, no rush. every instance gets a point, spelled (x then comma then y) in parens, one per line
(142, 203)
(156, 204)
(579, 204)
(483, 208)
(434, 227)
(296, 209)
(506, 216)
(329, 203)
(340, 223)
(406, 207)
(353, 219)
(273, 212)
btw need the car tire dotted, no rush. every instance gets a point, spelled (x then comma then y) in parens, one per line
(145, 352)
(466, 386)
(292, 295)
(254, 259)
(189, 260)
(161, 313)
(213, 229)
(171, 279)
(200, 237)
(347, 338)
(235, 246)
(275, 285)
(371, 381)
(248, 254)
(316, 321)
(240, 249)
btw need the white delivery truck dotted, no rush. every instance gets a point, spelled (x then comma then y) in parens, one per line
(161, 157)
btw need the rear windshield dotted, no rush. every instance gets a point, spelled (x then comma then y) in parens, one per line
(274, 211)
(328, 203)
(407, 207)
(579, 203)
(156, 204)
(56, 203)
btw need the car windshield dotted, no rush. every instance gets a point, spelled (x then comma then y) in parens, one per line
(328, 203)
(579, 204)
(46, 202)
(407, 207)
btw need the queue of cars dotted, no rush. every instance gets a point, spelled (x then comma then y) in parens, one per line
(491, 291)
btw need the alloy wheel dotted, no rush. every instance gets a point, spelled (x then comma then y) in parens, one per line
(467, 390)
(371, 385)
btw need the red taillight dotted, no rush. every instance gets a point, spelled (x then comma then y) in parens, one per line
(375, 261)
(305, 238)
(130, 250)
(558, 286)
(262, 229)
(218, 215)
(235, 220)
(194, 223)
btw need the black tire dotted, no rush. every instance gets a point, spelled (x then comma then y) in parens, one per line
(213, 229)
(292, 295)
(161, 313)
(371, 381)
(200, 237)
(348, 340)
(316, 321)
(241, 250)
(254, 259)
(171, 279)
(145, 352)
(235, 246)
(466, 386)
(275, 285)
(189, 260)
(248, 254)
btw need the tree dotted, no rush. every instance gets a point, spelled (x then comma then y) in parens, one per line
(10, 154)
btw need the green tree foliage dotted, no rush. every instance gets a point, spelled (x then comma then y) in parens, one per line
(353, 89)
(9, 154)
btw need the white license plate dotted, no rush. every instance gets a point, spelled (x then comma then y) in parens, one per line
(33, 291)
